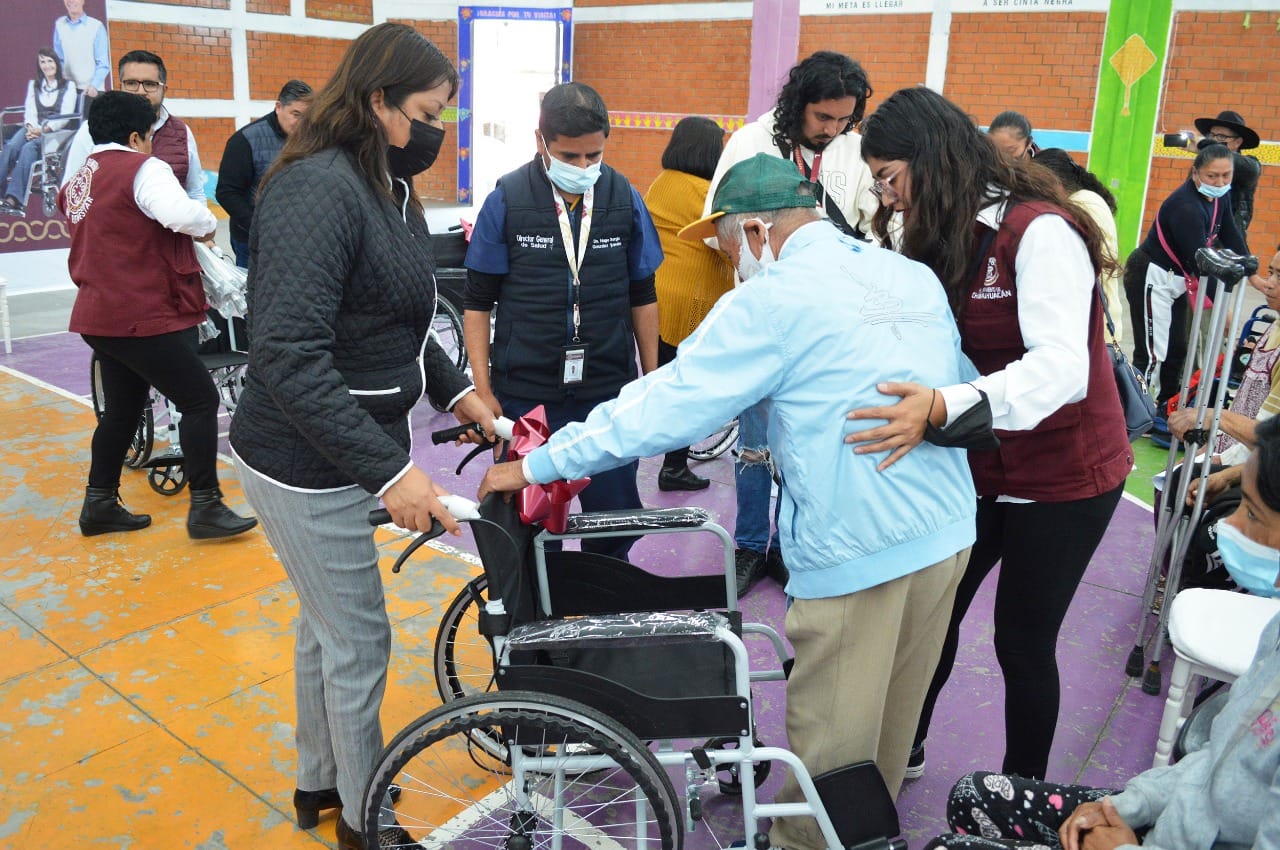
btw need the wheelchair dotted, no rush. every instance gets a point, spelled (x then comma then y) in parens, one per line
(46, 174)
(575, 685)
(226, 360)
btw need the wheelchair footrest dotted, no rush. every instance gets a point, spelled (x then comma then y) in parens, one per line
(164, 460)
(861, 809)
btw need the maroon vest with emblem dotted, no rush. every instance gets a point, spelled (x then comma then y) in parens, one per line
(169, 144)
(135, 276)
(1080, 450)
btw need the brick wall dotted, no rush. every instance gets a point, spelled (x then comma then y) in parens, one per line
(198, 59)
(356, 11)
(710, 64)
(211, 137)
(1055, 90)
(894, 49)
(203, 4)
(274, 59)
(267, 7)
(1215, 63)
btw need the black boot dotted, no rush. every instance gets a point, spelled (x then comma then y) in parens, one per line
(103, 512)
(209, 518)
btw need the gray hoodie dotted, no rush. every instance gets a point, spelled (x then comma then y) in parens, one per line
(1226, 795)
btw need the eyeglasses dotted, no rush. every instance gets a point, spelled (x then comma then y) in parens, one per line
(149, 86)
(884, 187)
(1223, 137)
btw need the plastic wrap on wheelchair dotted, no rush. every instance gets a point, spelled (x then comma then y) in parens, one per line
(661, 674)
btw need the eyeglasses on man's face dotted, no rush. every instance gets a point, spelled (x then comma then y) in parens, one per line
(149, 86)
(1223, 137)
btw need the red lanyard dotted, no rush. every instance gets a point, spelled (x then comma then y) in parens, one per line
(809, 173)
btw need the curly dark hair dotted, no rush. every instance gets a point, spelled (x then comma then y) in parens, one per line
(956, 171)
(826, 75)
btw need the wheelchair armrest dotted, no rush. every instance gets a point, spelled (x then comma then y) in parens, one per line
(618, 629)
(639, 521)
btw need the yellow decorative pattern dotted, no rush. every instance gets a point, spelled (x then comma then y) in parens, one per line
(17, 232)
(667, 120)
(1268, 153)
(1133, 60)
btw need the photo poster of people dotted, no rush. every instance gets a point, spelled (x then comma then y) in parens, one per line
(36, 72)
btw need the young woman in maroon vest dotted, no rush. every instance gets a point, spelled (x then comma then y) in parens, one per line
(1020, 264)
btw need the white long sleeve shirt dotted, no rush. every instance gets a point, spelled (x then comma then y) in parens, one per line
(82, 146)
(161, 198)
(66, 105)
(1055, 280)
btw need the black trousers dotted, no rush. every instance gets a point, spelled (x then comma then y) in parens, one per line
(1043, 549)
(676, 458)
(130, 366)
(1135, 292)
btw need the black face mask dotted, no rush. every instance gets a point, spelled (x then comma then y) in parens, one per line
(419, 154)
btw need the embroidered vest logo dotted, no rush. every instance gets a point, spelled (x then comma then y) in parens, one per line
(79, 191)
(990, 289)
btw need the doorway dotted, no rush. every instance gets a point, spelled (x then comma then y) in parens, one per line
(510, 58)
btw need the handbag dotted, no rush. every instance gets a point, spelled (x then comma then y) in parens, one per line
(1139, 407)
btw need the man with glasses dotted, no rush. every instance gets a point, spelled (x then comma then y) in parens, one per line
(1229, 129)
(811, 125)
(143, 73)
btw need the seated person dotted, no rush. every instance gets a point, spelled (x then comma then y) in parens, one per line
(1225, 794)
(48, 94)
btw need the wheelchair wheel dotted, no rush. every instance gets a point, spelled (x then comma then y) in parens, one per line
(715, 445)
(572, 773)
(447, 330)
(143, 441)
(463, 657)
(168, 480)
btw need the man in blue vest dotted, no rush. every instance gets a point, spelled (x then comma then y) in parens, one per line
(566, 250)
(247, 156)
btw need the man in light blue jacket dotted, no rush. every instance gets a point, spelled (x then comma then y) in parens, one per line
(875, 556)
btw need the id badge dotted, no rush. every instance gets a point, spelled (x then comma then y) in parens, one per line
(573, 365)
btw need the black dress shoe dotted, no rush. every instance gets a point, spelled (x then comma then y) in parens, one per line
(103, 512)
(681, 479)
(209, 518)
(774, 567)
(749, 566)
(388, 837)
(308, 804)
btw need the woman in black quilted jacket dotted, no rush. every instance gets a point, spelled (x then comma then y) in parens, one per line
(342, 295)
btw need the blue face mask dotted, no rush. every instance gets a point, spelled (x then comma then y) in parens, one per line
(1214, 191)
(1253, 566)
(571, 178)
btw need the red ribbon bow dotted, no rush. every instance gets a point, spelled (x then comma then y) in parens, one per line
(544, 503)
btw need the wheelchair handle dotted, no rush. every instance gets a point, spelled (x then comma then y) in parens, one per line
(460, 507)
(502, 425)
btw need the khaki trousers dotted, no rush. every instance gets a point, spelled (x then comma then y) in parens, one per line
(863, 663)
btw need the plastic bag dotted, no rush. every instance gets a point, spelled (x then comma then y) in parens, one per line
(224, 282)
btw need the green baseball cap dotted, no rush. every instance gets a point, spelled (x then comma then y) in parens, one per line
(759, 184)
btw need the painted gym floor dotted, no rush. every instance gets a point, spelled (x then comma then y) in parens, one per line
(146, 688)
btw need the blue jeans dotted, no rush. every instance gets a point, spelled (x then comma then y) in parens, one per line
(242, 252)
(754, 479)
(612, 490)
(19, 156)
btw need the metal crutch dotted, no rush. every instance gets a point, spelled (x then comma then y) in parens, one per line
(1176, 525)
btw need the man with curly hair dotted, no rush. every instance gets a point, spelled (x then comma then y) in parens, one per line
(821, 102)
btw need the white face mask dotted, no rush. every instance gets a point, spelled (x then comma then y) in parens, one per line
(748, 265)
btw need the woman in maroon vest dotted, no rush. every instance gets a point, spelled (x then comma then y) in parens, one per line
(1020, 264)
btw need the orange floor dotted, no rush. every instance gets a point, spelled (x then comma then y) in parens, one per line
(146, 688)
